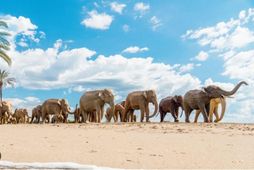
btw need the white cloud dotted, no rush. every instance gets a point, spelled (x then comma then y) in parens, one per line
(97, 20)
(233, 34)
(155, 22)
(186, 68)
(28, 102)
(141, 7)
(202, 56)
(75, 70)
(126, 28)
(117, 7)
(21, 26)
(135, 49)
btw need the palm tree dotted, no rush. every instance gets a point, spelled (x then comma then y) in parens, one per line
(4, 81)
(4, 44)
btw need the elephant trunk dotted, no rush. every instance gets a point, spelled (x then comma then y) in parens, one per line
(182, 110)
(70, 112)
(155, 109)
(229, 93)
(223, 109)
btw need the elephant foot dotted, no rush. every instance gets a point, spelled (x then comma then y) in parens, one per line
(176, 120)
(187, 121)
(216, 121)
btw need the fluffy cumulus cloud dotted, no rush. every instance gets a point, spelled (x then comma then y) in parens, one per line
(135, 49)
(95, 20)
(232, 34)
(74, 68)
(232, 41)
(117, 7)
(202, 56)
(22, 30)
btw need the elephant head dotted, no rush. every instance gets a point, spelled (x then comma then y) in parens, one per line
(151, 97)
(179, 102)
(65, 106)
(107, 96)
(216, 92)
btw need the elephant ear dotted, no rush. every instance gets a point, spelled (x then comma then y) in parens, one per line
(175, 98)
(145, 95)
(101, 95)
(212, 91)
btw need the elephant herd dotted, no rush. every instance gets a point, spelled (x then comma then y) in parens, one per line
(91, 107)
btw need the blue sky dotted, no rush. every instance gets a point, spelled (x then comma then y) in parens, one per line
(164, 45)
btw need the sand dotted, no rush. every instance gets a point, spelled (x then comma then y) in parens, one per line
(132, 145)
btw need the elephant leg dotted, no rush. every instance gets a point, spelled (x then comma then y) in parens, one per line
(147, 113)
(196, 116)
(204, 113)
(132, 117)
(211, 110)
(216, 114)
(174, 116)
(84, 116)
(116, 116)
(142, 111)
(187, 111)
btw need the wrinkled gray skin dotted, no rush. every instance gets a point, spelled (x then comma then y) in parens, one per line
(171, 105)
(200, 99)
(54, 107)
(94, 101)
(139, 100)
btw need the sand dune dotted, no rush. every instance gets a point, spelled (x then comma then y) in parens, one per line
(132, 145)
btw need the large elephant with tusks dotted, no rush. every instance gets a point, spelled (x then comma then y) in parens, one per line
(94, 101)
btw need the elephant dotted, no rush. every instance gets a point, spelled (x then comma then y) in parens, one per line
(21, 115)
(36, 113)
(59, 118)
(55, 107)
(213, 109)
(200, 99)
(119, 110)
(93, 102)
(5, 111)
(77, 114)
(140, 100)
(11, 119)
(170, 104)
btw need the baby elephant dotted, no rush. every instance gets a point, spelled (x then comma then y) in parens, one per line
(170, 104)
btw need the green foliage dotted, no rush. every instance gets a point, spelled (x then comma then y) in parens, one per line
(4, 44)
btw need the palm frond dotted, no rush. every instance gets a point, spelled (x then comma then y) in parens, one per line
(5, 57)
(4, 46)
(3, 24)
(4, 41)
(4, 34)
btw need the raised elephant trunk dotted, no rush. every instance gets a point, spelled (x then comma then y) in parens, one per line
(155, 109)
(229, 93)
(223, 109)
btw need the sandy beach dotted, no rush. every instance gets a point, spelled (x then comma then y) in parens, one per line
(131, 145)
